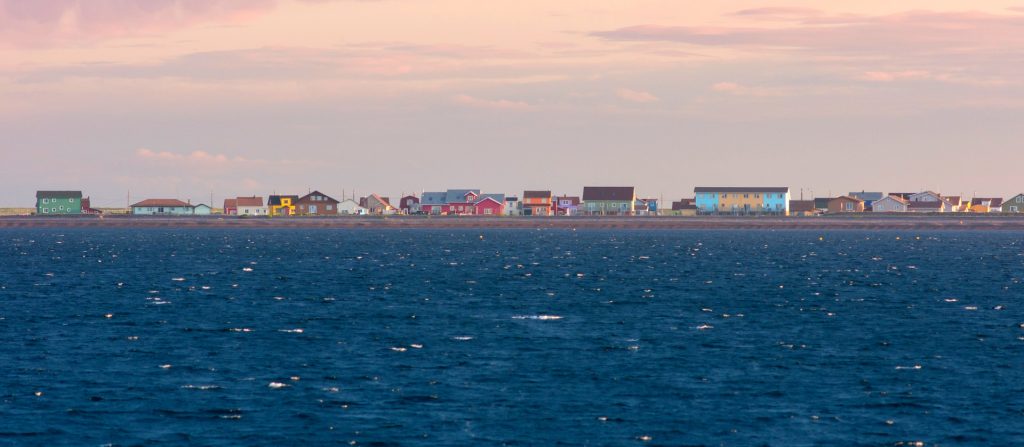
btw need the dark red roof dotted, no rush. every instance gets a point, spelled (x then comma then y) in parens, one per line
(536, 194)
(308, 198)
(249, 201)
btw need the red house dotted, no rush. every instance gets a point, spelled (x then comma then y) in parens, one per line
(463, 202)
(231, 207)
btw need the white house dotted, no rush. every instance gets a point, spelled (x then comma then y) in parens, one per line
(889, 204)
(932, 196)
(351, 207)
(251, 206)
(513, 207)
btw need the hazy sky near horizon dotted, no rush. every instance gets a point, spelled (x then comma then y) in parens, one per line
(181, 98)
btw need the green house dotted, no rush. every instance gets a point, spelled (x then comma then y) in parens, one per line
(609, 200)
(58, 202)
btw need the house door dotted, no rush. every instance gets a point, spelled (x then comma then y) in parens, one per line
(312, 209)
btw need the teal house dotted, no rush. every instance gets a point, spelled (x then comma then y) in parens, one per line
(58, 202)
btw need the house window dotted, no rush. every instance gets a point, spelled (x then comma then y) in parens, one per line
(71, 200)
(46, 201)
(46, 211)
(329, 207)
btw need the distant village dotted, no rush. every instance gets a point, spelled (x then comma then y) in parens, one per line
(595, 201)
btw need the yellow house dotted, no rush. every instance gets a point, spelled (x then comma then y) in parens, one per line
(986, 205)
(282, 205)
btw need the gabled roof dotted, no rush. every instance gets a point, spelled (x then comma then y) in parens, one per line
(536, 194)
(326, 198)
(276, 200)
(894, 198)
(616, 193)
(848, 198)
(573, 200)
(249, 201)
(59, 194)
(992, 201)
(1013, 198)
(754, 189)
(490, 197)
(230, 203)
(383, 201)
(458, 195)
(927, 193)
(350, 201)
(500, 198)
(167, 203)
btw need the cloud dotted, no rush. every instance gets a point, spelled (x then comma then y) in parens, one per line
(890, 76)
(43, 22)
(498, 104)
(636, 96)
(737, 89)
(378, 61)
(779, 13)
(202, 158)
(908, 33)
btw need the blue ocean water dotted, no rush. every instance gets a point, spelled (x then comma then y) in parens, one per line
(510, 337)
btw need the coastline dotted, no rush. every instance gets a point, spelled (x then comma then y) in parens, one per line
(839, 222)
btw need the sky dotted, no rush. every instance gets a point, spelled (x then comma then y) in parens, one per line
(134, 99)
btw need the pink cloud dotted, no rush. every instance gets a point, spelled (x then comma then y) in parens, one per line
(733, 88)
(499, 104)
(42, 22)
(636, 95)
(895, 35)
(779, 13)
(890, 76)
(199, 157)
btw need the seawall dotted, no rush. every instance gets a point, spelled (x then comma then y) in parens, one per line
(852, 222)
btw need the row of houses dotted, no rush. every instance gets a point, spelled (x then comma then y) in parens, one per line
(901, 202)
(595, 201)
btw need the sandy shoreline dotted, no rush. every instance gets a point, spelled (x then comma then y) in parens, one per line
(859, 222)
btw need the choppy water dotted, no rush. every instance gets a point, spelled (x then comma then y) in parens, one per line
(437, 337)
